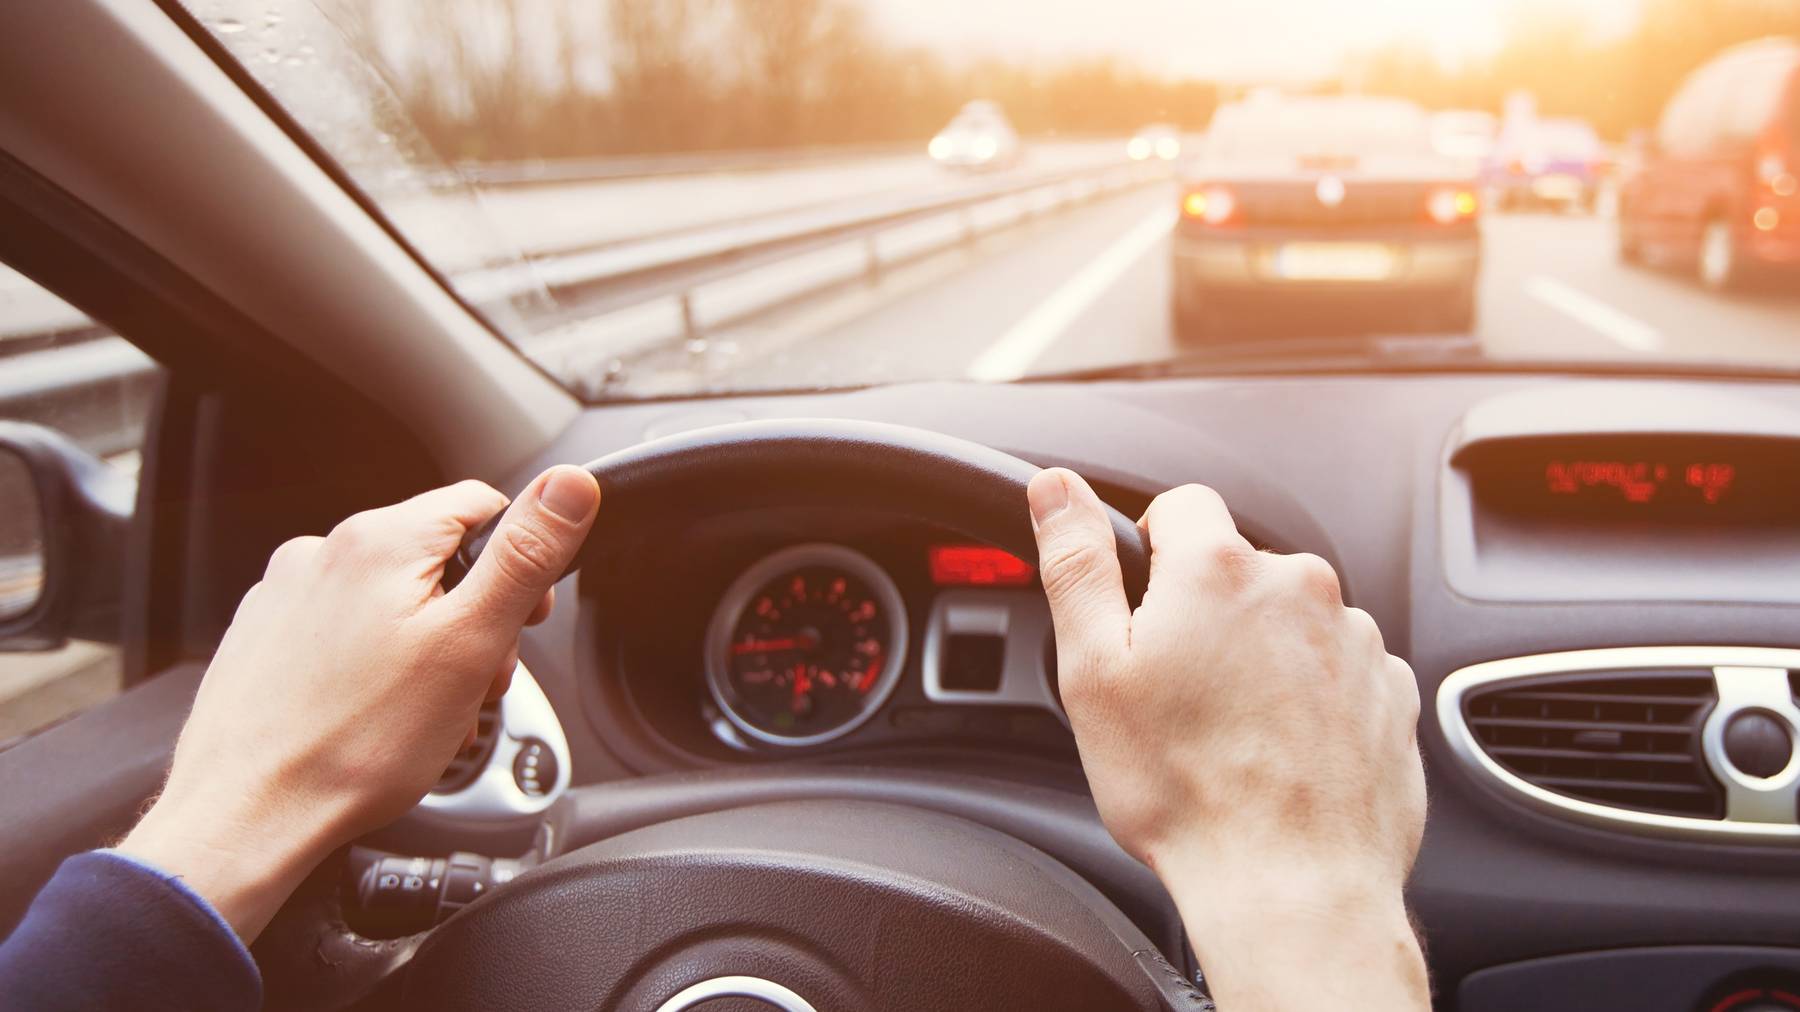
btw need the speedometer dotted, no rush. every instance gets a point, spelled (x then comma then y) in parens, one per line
(806, 645)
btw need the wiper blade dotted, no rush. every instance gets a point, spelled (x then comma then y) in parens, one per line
(1282, 354)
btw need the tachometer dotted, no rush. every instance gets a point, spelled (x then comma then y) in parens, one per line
(806, 645)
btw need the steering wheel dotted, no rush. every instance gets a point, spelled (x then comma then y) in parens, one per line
(805, 888)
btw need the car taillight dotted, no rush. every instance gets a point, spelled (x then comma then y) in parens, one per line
(1773, 172)
(1449, 205)
(1213, 205)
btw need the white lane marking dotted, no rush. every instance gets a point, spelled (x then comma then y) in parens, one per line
(1025, 342)
(1622, 327)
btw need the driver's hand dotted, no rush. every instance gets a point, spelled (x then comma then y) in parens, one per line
(347, 681)
(1250, 739)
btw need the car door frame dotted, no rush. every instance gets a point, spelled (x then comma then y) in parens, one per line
(279, 413)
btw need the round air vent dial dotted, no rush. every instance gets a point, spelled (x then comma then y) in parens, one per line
(1758, 744)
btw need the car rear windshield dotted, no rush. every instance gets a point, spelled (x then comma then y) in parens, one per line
(1323, 130)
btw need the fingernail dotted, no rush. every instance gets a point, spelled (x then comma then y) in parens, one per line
(1048, 495)
(570, 493)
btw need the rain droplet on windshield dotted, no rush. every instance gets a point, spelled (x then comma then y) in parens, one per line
(228, 26)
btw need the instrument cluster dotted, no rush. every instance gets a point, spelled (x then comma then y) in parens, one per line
(787, 635)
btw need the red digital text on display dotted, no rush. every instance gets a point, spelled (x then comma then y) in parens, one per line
(1638, 481)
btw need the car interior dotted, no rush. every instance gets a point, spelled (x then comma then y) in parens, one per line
(1589, 564)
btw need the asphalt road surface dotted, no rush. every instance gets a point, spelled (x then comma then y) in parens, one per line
(1090, 288)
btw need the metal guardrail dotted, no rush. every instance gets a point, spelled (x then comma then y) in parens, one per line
(649, 267)
(626, 298)
(619, 302)
(552, 172)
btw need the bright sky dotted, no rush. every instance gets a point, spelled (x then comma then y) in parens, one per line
(1228, 39)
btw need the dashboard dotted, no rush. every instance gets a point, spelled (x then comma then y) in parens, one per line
(1593, 578)
(778, 634)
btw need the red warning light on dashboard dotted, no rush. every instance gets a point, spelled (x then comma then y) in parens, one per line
(977, 566)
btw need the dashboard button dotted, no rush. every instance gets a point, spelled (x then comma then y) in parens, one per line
(534, 768)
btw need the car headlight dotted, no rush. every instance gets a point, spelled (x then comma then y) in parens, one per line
(986, 148)
(1167, 148)
(939, 148)
(1138, 149)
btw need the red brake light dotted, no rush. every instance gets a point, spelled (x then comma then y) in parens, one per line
(1451, 205)
(1213, 205)
(978, 566)
(1773, 171)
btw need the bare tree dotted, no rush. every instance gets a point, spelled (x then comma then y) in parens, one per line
(779, 43)
(661, 83)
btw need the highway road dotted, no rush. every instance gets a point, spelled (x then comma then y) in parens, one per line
(1090, 288)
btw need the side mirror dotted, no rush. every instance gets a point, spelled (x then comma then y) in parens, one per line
(64, 520)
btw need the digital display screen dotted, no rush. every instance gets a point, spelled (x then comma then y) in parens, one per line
(978, 566)
(1705, 482)
(1673, 479)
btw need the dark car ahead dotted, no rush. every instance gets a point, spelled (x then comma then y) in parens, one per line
(1720, 185)
(1331, 210)
(1555, 163)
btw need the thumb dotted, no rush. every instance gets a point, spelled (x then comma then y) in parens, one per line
(1079, 562)
(536, 540)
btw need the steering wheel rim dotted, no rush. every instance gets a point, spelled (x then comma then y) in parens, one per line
(973, 489)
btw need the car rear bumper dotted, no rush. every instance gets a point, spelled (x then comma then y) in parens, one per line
(1252, 265)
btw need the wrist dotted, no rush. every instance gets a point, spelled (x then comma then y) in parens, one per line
(1293, 933)
(243, 854)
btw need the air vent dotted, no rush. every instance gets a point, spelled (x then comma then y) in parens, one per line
(1623, 740)
(469, 763)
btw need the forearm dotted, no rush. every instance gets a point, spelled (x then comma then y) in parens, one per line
(1271, 938)
(244, 856)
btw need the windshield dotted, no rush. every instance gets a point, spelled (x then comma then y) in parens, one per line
(1304, 128)
(672, 197)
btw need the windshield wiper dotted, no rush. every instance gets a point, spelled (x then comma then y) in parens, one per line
(1294, 354)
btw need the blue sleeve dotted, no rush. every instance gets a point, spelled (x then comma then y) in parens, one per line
(108, 932)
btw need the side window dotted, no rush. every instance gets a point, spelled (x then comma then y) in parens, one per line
(62, 371)
(1691, 123)
(1755, 93)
